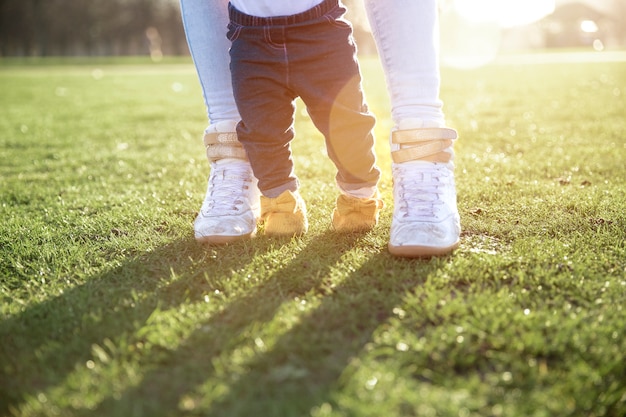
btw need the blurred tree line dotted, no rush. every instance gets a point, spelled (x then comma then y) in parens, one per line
(95, 27)
(90, 27)
(141, 27)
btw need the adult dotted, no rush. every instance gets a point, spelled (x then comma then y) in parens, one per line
(425, 216)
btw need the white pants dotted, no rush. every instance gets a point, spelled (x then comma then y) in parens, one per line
(405, 31)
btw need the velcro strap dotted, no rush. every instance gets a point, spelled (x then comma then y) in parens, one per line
(220, 145)
(215, 138)
(432, 151)
(421, 135)
(426, 144)
(221, 151)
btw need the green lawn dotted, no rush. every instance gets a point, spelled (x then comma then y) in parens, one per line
(109, 307)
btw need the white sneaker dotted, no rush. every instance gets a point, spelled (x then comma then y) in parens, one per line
(231, 206)
(425, 220)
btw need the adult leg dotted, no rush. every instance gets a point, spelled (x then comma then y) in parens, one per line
(231, 205)
(425, 219)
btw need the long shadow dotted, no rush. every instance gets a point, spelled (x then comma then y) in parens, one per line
(41, 345)
(296, 378)
(181, 371)
(305, 363)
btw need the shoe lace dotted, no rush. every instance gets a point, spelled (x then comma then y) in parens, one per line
(228, 186)
(420, 189)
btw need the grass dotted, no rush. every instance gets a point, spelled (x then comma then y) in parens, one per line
(109, 308)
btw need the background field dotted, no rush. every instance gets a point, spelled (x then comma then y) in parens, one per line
(109, 308)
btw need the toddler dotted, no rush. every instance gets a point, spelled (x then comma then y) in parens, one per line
(281, 50)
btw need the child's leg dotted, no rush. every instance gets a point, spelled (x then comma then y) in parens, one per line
(328, 80)
(266, 105)
(260, 77)
(326, 76)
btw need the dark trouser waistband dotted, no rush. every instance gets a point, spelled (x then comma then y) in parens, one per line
(313, 13)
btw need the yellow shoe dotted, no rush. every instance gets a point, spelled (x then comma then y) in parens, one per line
(354, 214)
(284, 215)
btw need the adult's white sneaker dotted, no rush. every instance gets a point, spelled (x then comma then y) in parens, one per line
(425, 220)
(232, 204)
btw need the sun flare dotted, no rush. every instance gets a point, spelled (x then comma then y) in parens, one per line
(471, 30)
(506, 13)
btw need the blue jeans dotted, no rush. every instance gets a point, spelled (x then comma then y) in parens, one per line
(406, 33)
(310, 55)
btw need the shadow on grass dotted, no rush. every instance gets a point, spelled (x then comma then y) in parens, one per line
(296, 374)
(43, 344)
(306, 365)
(302, 368)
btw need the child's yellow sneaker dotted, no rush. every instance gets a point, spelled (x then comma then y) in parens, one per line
(354, 214)
(284, 215)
